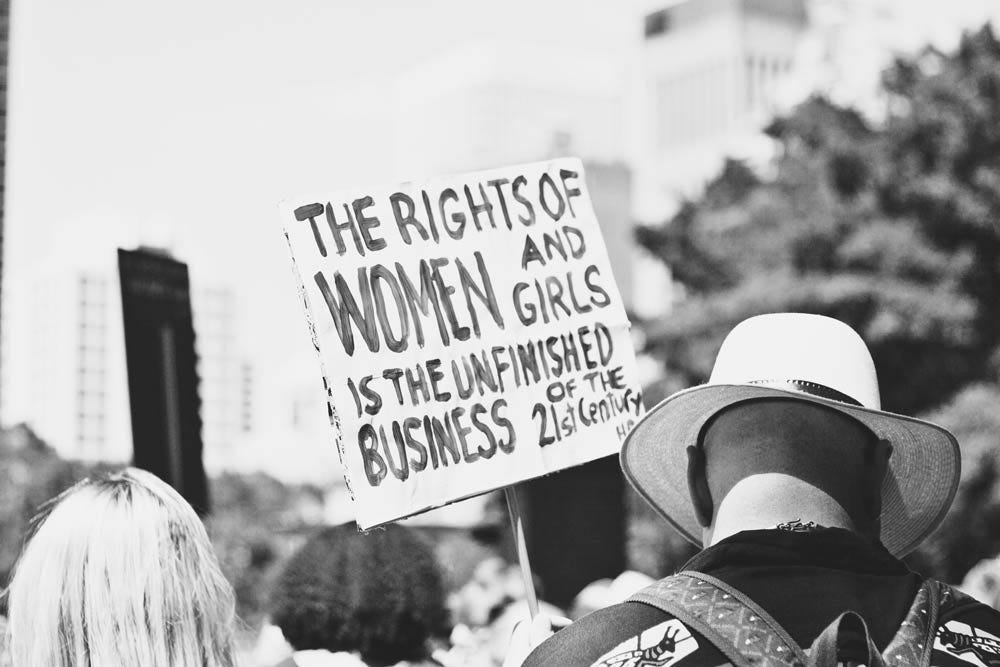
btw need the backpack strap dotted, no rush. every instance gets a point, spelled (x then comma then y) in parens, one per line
(845, 642)
(728, 619)
(914, 642)
(847, 637)
(953, 599)
(748, 636)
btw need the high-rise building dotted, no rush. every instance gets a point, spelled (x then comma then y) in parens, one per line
(77, 400)
(246, 397)
(710, 74)
(76, 375)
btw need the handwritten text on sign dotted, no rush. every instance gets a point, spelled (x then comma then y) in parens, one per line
(470, 332)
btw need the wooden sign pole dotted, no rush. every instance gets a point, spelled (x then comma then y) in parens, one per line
(517, 525)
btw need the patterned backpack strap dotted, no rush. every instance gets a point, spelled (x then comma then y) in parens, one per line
(952, 599)
(914, 641)
(845, 641)
(732, 622)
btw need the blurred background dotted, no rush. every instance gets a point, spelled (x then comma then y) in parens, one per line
(743, 156)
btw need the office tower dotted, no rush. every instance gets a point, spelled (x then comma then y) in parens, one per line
(76, 376)
(710, 73)
(220, 369)
(162, 376)
(75, 372)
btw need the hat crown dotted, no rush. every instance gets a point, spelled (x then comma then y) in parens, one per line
(798, 348)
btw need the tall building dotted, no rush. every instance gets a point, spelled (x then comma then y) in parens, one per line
(76, 374)
(710, 74)
(77, 400)
(247, 397)
(484, 106)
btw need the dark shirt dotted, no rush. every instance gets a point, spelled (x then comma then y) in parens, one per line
(803, 579)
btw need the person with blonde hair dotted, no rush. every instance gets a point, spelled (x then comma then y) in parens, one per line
(120, 573)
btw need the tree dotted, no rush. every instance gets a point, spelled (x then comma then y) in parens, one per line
(968, 533)
(31, 475)
(256, 522)
(891, 227)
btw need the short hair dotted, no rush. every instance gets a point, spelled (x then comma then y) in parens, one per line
(781, 435)
(379, 594)
(120, 572)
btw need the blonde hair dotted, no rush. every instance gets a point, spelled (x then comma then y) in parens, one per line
(120, 573)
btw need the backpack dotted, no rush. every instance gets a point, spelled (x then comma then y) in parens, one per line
(749, 637)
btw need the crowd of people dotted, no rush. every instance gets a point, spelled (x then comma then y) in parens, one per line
(119, 569)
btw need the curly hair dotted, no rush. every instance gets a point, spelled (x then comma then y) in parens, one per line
(380, 594)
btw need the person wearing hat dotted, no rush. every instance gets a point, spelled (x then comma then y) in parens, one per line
(805, 494)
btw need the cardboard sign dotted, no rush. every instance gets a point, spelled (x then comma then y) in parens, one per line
(470, 333)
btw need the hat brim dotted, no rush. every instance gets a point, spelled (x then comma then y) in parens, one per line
(917, 491)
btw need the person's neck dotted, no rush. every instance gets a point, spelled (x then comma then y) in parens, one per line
(767, 500)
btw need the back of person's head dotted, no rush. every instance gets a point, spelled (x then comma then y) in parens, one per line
(795, 442)
(378, 594)
(120, 572)
(757, 465)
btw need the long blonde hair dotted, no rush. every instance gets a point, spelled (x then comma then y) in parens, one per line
(120, 573)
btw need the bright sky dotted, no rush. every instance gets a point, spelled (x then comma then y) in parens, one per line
(185, 122)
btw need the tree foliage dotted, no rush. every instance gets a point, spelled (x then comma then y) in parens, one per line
(255, 522)
(969, 532)
(31, 474)
(891, 227)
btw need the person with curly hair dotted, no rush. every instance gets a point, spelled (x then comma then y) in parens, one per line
(347, 598)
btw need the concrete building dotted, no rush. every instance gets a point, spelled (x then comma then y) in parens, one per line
(76, 384)
(710, 74)
(75, 372)
(220, 371)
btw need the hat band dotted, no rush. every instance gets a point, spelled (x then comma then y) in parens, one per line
(811, 388)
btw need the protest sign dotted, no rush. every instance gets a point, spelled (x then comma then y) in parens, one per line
(469, 330)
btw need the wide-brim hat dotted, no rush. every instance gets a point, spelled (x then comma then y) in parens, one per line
(809, 358)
